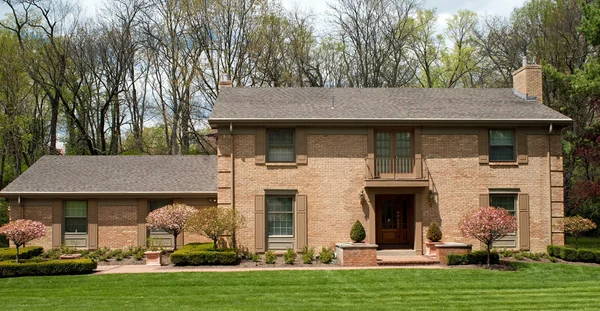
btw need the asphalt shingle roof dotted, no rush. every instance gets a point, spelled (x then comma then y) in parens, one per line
(378, 103)
(117, 174)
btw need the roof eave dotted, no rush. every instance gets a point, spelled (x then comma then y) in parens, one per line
(215, 122)
(107, 194)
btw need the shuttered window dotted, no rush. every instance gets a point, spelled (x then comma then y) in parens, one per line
(76, 217)
(280, 145)
(505, 201)
(280, 215)
(502, 145)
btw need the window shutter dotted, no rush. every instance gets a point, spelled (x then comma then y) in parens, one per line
(57, 220)
(301, 222)
(259, 145)
(142, 212)
(524, 221)
(301, 146)
(259, 223)
(484, 200)
(484, 148)
(93, 223)
(522, 157)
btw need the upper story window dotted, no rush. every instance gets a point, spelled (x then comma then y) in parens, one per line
(280, 145)
(502, 145)
(76, 217)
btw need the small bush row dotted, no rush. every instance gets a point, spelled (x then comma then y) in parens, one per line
(199, 254)
(307, 254)
(473, 258)
(51, 267)
(571, 254)
(24, 252)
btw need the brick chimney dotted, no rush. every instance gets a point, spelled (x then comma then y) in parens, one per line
(225, 81)
(527, 81)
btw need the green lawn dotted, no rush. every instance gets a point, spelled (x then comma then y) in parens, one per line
(532, 287)
(585, 242)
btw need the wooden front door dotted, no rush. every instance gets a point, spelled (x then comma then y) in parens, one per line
(395, 220)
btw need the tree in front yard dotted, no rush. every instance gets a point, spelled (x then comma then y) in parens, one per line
(215, 222)
(171, 218)
(575, 226)
(488, 224)
(21, 231)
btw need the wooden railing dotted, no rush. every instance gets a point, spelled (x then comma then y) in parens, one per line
(394, 168)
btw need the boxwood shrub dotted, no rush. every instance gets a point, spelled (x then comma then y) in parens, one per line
(199, 254)
(50, 267)
(571, 254)
(568, 254)
(24, 252)
(473, 258)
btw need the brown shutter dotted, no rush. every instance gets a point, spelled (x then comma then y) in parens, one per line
(484, 200)
(484, 148)
(301, 222)
(57, 220)
(522, 157)
(142, 212)
(92, 224)
(301, 146)
(523, 221)
(259, 223)
(259, 145)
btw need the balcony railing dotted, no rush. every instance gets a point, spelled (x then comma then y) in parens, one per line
(394, 168)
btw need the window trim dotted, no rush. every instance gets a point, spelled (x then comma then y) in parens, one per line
(514, 149)
(293, 213)
(293, 145)
(65, 217)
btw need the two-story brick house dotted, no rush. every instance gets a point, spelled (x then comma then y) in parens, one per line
(303, 164)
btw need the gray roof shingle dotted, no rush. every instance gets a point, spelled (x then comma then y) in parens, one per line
(378, 104)
(117, 174)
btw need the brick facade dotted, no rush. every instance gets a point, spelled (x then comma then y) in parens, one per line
(117, 226)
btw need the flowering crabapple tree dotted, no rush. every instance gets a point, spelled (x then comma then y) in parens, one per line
(575, 226)
(21, 231)
(488, 224)
(171, 218)
(215, 222)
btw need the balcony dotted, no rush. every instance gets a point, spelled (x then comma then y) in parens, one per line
(395, 172)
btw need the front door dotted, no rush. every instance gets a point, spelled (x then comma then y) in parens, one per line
(395, 220)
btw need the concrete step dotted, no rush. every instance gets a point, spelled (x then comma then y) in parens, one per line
(406, 261)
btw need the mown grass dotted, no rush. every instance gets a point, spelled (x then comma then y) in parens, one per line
(586, 242)
(531, 287)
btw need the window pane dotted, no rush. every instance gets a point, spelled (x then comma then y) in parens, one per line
(501, 138)
(281, 146)
(76, 225)
(504, 201)
(281, 154)
(403, 145)
(502, 153)
(382, 145)
(156, 204)
(281, 137)
(279, 204)
(280, 215)
(76, 209)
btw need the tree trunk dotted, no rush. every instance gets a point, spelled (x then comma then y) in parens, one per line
(17, 246)
(175, 241)
(489, 247)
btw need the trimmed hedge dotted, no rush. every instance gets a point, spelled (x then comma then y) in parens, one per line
(50, 267)
(571, 254)
(473, 258)
(24, 252)
(199, 254)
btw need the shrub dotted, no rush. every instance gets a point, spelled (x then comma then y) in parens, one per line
(357, 233)
(52, 267)
(171, 218)
(198, 254)
(254, 257)
(215, 222)
(552, 259)
(434, 233)
(597, 254)
(326, 255)
(24, 253)
(586, 256)
(519, 256)
(568, 254)
(270, 257)
(575, 226)
(307, 254)
(474, 258)
(21, 231)
(289, 256)
(488, 225)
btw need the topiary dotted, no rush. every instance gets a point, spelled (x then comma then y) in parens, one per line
(358, 234)
(434, 234)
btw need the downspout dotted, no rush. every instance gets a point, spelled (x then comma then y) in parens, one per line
(549, 180)
(233, 238)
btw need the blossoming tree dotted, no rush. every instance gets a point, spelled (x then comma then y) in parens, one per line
(215, 222)
(21, 231)
(171, 218)
(575, 226)
(488, 224)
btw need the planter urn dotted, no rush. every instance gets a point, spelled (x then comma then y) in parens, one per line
(153, 258)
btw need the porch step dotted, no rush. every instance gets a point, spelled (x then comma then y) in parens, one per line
(407, 261)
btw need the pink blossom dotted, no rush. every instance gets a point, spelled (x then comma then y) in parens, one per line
(171, 218)
(21, 231)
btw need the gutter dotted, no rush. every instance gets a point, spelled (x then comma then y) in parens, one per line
(107, 194)
(214, 122)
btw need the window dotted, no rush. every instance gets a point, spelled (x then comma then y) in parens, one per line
(502, 145)
(156, 204)
(76, 217)
(280, 145)
(280, 215)
(505, 201)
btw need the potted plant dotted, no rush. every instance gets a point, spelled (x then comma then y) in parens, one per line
(154, 252)
(357, 233)
(434, 236)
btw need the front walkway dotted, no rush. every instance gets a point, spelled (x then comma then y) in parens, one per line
(399, 257)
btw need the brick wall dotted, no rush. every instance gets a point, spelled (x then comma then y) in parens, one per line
(528, 80)
(117, 226)
(42, 214)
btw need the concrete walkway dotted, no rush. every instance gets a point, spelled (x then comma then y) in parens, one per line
(116, 269)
